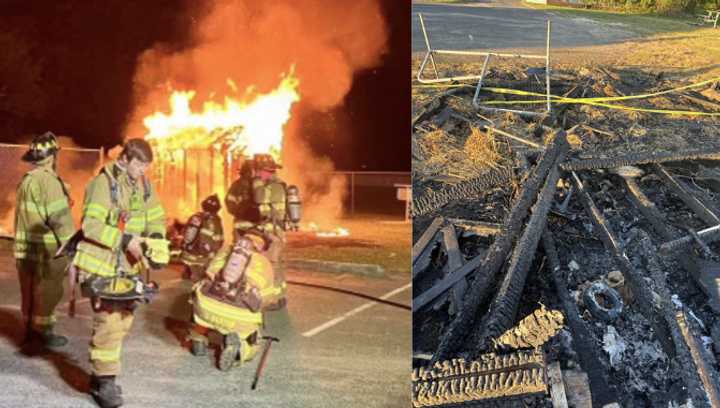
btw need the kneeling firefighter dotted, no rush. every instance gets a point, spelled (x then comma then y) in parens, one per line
(202, 238)
(230, 299)
(261, 200)
(123, 232)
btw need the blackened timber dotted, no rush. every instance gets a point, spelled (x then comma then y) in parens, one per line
(501, 314)
(583, 342)
(503, 241)
(708, 235)
(685, 343)
(423, 247)
(638, 286)
(492, 378)
(454, 262)
(459, 328)
(647, 208)
(633, 159)
(678, 187)
(708, 375)
(465, 190)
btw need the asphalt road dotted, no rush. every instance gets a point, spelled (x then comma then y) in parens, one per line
(505, 24)
(335, 351)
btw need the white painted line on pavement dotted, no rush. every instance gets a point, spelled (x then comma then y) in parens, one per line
(353, 312)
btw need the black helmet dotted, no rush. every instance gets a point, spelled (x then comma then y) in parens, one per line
(211, 204)
(41, 147)
(265, 162)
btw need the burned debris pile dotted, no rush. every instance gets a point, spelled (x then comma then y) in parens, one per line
(586, 234)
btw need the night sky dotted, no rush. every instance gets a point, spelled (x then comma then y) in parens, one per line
(68, 66)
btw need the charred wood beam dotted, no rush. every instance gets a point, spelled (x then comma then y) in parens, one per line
(502, 243)
(583, 341)
(454, 262)
(459, 328)
(501, 314)
(485, 229)
(532, 331)
(423, 247)
(647, 208)
(632, 159)
(465, 190)
(701, 358)
(433, 106)
(635, 279)
(701, 379)
(708, 235)
(491, 379)
(679, 188)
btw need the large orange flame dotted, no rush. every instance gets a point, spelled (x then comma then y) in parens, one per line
(249, 125)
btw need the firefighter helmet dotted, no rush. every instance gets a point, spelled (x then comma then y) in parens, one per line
(41, 147)
(211, 204)
(117, 288)
(265, 162)
(260, 240)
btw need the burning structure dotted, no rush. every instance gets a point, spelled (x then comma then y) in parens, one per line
(200, 153)
(246, 86)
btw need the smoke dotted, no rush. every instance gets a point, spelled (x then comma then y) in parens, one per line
(253, 43)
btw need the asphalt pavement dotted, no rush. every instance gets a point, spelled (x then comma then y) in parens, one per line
(335, 350)
(505, 24)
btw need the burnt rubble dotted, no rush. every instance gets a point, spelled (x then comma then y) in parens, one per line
(607, 217)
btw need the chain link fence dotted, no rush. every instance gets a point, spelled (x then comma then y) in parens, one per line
(75, 166)
(375, 192)
(366, 192)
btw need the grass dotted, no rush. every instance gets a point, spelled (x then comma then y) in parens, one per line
(448, 158)
(639, 23)
(371, 241)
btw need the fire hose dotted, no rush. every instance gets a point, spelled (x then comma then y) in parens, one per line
(350, 292)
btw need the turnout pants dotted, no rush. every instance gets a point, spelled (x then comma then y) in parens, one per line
(111, 323)
(41, 287)
(276, 257)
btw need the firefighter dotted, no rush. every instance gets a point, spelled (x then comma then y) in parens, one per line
(202, 238)
(123, 228)
(43, 223)
(238, 284)
(258, 199)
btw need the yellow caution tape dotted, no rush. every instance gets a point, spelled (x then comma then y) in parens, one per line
(595, 101)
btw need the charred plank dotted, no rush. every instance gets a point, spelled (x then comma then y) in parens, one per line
(501, 314)
(641, 158)
(638, 286)
(583, 343)
(459, 328)
(465, 190)
(678, 187)
(647, 208)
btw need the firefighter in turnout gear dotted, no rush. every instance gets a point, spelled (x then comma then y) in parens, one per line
(202, 239)
(123, 228)
(43, 223)
(258, 199)
(239, 283)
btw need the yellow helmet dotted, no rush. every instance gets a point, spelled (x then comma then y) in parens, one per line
(41, 147)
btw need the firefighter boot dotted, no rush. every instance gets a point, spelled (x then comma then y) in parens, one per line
(47, 338)
(198, 348)
(105, 392)
(230, 353)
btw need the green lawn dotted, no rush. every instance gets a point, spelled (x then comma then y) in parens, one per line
(371, 241)
(640, 23)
